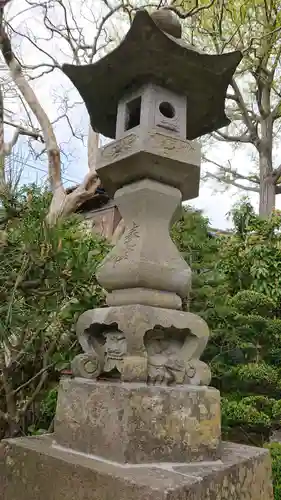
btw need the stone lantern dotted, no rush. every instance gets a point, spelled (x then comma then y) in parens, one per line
(139, 413)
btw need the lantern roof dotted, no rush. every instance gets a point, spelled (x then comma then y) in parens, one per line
(147, 54)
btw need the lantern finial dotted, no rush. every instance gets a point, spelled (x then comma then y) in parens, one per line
(167, 21)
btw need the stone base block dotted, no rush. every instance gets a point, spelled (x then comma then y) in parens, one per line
(32, 469)
(137, 423)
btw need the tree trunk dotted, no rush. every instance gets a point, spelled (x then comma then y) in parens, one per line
(267, 184)
(267, 188)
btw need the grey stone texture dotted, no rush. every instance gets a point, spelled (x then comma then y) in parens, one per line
(154, 56)
(136, 423)
(33, 469)
(151, 108)
(145, 256)
(152, 430)
(167, 22)
(145, 343)
(153, 154)
(144, 296)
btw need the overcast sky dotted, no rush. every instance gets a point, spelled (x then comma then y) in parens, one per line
(51, 89)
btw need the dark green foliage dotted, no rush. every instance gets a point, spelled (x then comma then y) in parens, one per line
(253, 303)
(275, 451)
(233, 277)
(200, 250)
(47, 279)
(46, 411)
(245, 346)
(251, 257)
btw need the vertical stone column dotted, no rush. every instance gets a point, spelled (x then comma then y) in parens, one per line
(145, 266)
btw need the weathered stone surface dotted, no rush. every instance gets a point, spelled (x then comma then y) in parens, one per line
(136, 423)
(31, 469)
(146, 256)
(152, 107)
(150, 154)
(165, 344)
(87, 365)
(167, 21)
(144, 296)
(154, 57)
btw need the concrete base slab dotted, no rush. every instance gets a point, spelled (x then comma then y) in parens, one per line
(32, 469)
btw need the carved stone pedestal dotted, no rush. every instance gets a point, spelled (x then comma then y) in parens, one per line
(33, 469)
(137, 343)
(137, 423)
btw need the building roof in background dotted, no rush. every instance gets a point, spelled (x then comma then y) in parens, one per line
(99, 199)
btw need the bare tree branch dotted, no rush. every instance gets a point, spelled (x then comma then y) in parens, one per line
(193, 11)
(233, 183)
(228, 170)
(242, 106)
(30, 97)
(221, 136)
(26, 131)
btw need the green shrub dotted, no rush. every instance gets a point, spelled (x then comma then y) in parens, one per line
(47, 279)
(253, 303)
(242, 413)
(275, 451)
(236, 289)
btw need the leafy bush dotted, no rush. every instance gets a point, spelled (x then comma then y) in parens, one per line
(250, 259)
(236, 289)
(275, 451)
(47, 279)
(245, 346)
(251, 302)
(200, 250)
(239, 412)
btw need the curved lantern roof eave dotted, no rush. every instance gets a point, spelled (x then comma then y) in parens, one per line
(149, 55)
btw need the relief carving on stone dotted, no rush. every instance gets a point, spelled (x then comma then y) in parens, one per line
(172, 357)
(104, 355)
(168, 360)
(115, 348)
(126, 246)
(165, 365)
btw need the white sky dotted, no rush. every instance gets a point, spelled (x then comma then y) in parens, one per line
(213, 200)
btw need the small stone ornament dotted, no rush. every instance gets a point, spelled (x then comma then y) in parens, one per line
(87, 365)
(114, 351)
(166, 365)
(106, 360)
